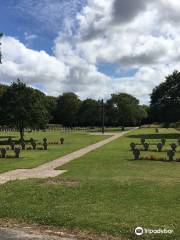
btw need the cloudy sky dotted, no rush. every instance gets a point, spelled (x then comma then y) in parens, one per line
(91, 47)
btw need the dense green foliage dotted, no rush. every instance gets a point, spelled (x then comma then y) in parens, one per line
(3, 88)
(165, 100)
(23, 107)
(67, 109)
(124, 109)
(30, 108)
(51, 103)
(90, 113)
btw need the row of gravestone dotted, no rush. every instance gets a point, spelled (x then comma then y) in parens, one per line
(18, 150)
(4, 152)
(163, 141)
(32, 142)
(137, 154)
(159, 146)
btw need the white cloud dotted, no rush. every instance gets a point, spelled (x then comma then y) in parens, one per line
(127, 10)
(132, 34)
(29, 38)
(32, 66)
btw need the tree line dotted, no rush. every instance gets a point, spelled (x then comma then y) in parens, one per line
(24, 107)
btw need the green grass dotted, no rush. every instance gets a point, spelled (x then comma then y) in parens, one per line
(31, 159)
(105, 191)
(108, 129)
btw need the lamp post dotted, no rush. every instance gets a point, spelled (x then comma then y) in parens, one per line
(102, 115)
(1, 35)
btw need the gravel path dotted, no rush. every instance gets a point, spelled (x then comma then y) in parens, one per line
(14, 234)
(48, 169)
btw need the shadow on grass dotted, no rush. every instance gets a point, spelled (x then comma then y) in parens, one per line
(163, 151)
(5, 137)
(11, 157)
(150, 144)
(152, 160)
(156, 136)
(17, 142)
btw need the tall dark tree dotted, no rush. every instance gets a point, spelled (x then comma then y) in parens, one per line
(51, 103)
(165, 100)
(23, 107)
(124, 109)
(67, 109)
(90, 113)
(147, 118)
(3, 88)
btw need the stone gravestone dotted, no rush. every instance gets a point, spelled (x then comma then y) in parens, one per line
(159, 147)
(146, 146)
(12, 145)
(45, 143)
(31, 141)
(3, 152)
(136, 153)
(173, 146)
(9, 140)
(23, 145)
(170, 154)
(62, 140)
(132, 146)
(17, 152)
(34, 145)
(163, 141)
(143, 140)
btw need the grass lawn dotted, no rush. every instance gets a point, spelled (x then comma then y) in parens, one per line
(105, 191)
(108, 129)
(30, 159)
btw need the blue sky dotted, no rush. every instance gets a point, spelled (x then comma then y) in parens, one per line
(20, 19)
(93, 48)
(115, 70)
(16, 23)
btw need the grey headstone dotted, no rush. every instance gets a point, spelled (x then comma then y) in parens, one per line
(136, 153)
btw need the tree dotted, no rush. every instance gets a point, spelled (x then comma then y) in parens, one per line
(124, 109)
(140, 114)
(67, 109)
(3, 88)
(90, 113)
(146, 119)
(23, 107)
(51, 103)
(165, 100)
